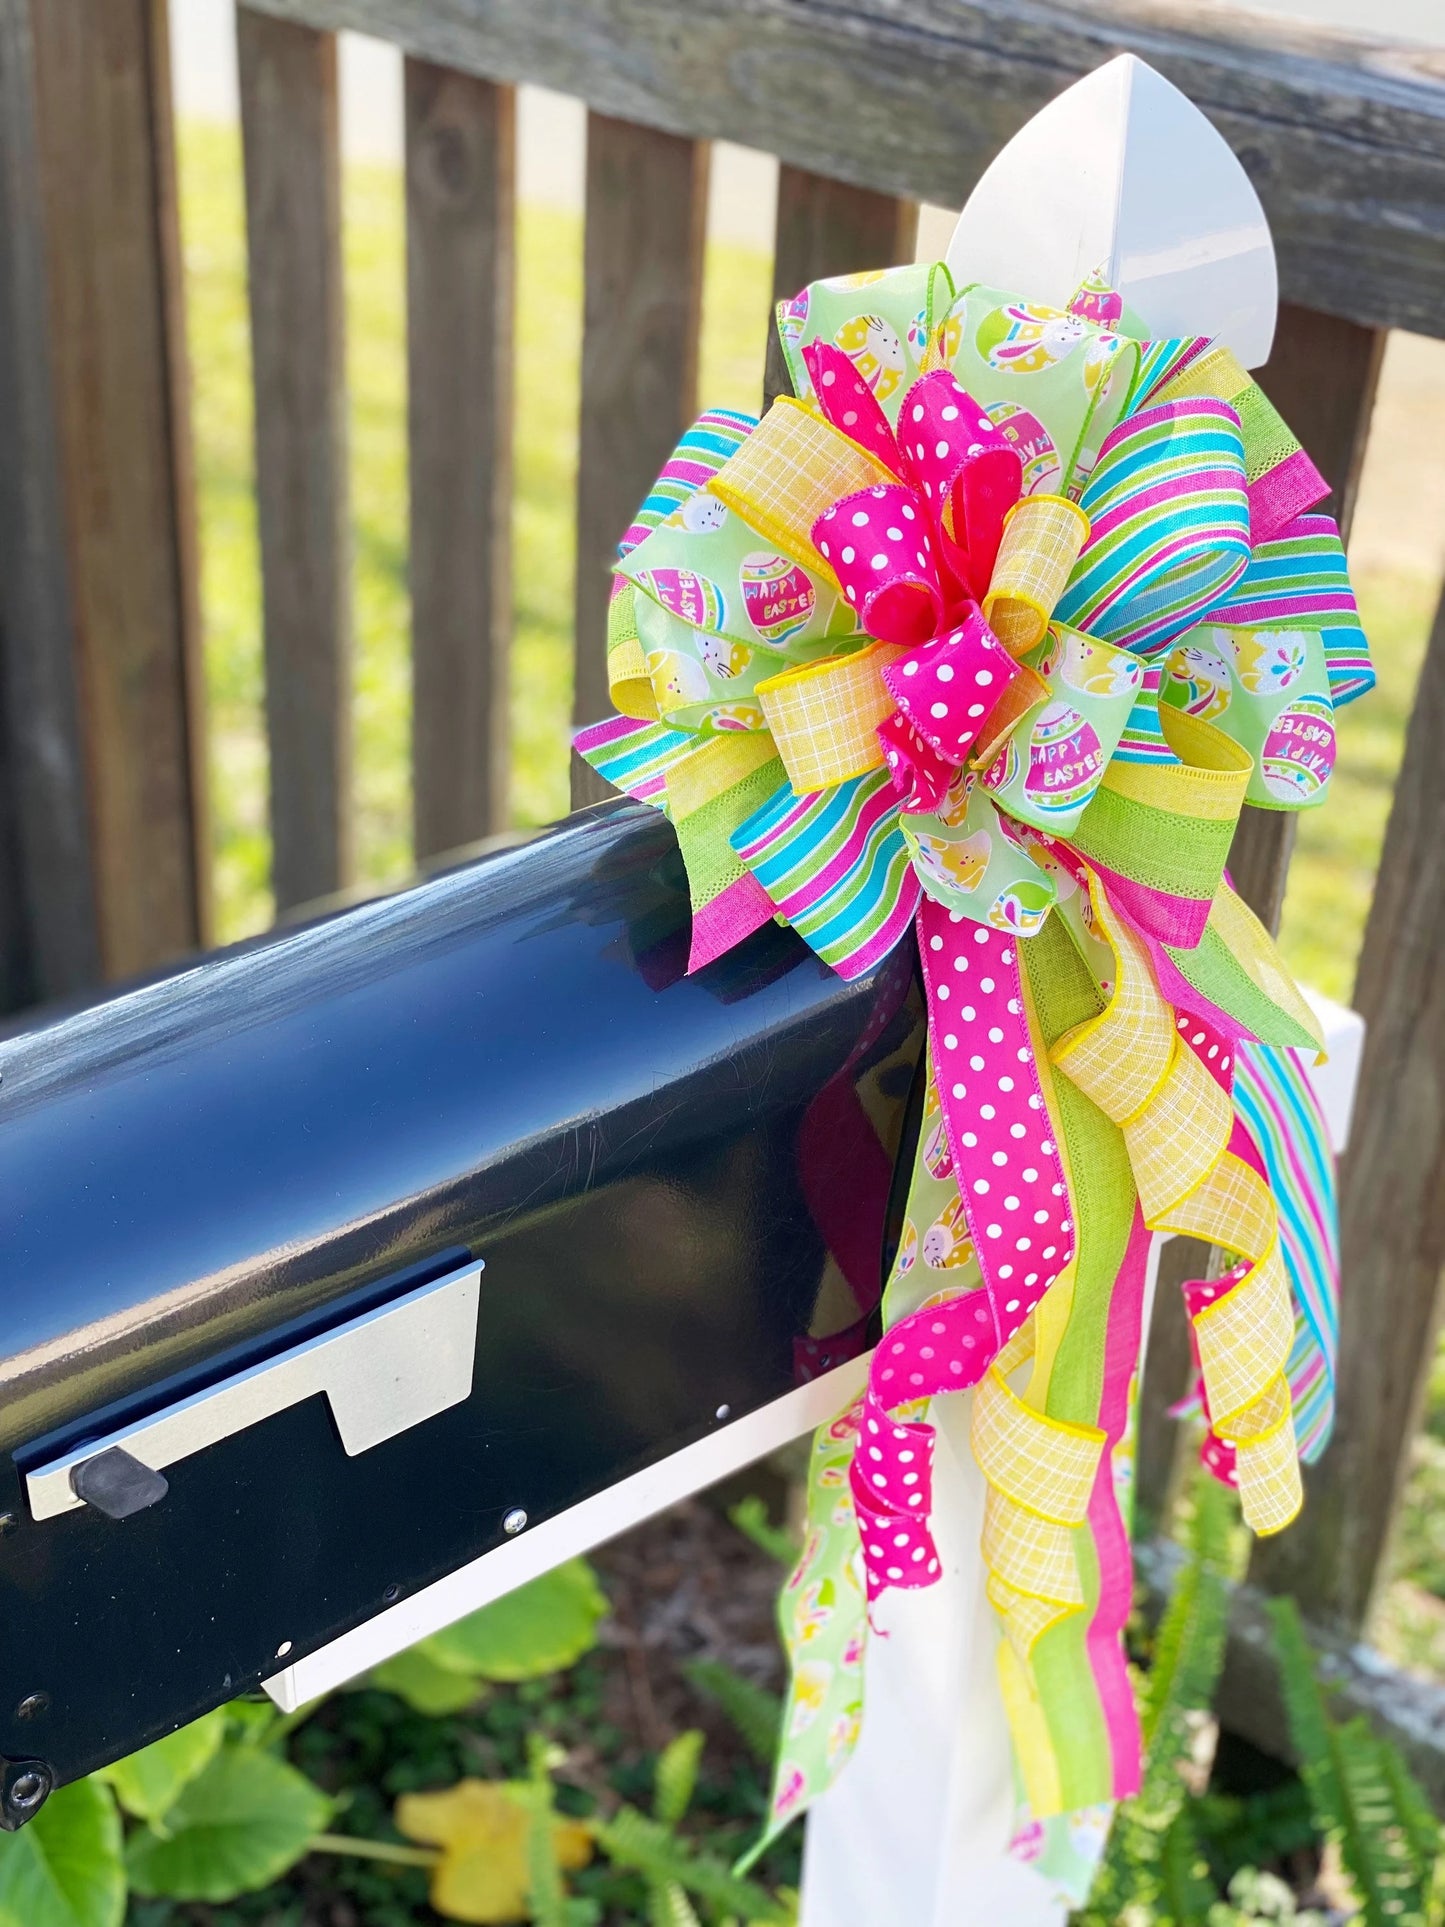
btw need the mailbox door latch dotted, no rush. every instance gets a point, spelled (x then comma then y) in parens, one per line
(382, 1372)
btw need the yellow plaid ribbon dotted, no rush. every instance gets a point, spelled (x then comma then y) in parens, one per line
(1042, 538)
(824, 717)
(791, 469)
(1177, 1122)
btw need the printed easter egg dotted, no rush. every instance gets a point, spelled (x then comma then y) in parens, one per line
(676, 679)
(724, 657)
(793, 318)
(701, 513)
(1004, 767)
(1094, 669)
(810, 1688)
(1299, 751)
(1199, 681)
(1096, 300)
(734, 716)
(953, 865)
(854, 1650)
(1066, 760)
(814, 1609)
(936, 1154)
(1267, 661)
(918, 334)
(1028, 1842)
(793, 1786)
(778, 597)
(861, 278)
(946, 1243)
(875, 351)
(953, 809)
(684, 593)
(1024, 339)
(1026, 433)
(907, 1255)
(1021, 907)
(843, 1734)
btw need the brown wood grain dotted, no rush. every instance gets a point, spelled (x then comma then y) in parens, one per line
(828, 227)
(1392, 1197)
(49, 926)
(117, 355)
(1343, 137)
(460, 238)
(646, 218)
(293, 228)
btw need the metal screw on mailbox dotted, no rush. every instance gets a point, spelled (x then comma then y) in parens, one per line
(32, 1706)
(515, 1520)
(27, 1791)
(724, 1411)
(8, 1523)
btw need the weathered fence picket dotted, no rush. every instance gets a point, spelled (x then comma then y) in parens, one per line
(103, 866)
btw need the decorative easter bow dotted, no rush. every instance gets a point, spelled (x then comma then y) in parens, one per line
(893, 655)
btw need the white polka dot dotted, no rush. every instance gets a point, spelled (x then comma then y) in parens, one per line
(987, 1111)
(1049, 1250)
(981, 1186)
(960, 1090)
(959, 963)
(1006, 957)
(1000, 1157)
(984, 676)
(1012, 1305)
(922, 559)
(1021, 1244)
(1031, 1176)
(975, 1063)
(995, 1035)
(969, 1139)
(849, 552)
(968, 1013)
(994, 1230)
(940, 449)
(1016, 1130)
(1005, 1083)
(910, 668)
(1031, 1278)
(860, 518)
(918, 415)
(985, 983)
(975, 709)
(945, 673)
(950, 1042)
(908, 514)
(824, 547)
(1005, 1271)
(935, 943)
(980, 935)
(895, 535)
(938, 710)
(950, 414)
(852, 593)
(1010, 1204)
(1041, 1217)
(942, 993)
(895, 1572)
(830, 375)
(880, 561)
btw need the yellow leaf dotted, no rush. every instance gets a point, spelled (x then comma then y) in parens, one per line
(482, 1832)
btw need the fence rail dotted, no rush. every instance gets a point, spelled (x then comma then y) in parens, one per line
(871, 108)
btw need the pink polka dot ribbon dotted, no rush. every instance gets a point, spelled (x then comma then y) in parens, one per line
(1010, 1171)
(911, 555)
(1011, 1180)
(947, 687)
(891, 1477)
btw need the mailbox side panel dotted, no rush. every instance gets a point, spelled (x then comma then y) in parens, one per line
(678, 1187)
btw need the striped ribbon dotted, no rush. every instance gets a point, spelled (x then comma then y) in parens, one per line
(1169, 524)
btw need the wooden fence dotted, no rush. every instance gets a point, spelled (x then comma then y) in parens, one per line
(871, 106)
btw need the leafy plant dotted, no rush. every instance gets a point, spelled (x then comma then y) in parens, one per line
(1364, 1797)
(540, 1628)
(66, 1868)
(235, 1827)
(753, 1710)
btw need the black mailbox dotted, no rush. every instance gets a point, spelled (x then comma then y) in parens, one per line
(362, 1257)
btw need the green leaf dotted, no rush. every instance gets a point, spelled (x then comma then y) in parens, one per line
(65, 1869)
(240, 1825)
(669, 1906)
(426, 1686)
(630, 1839)
(751, 1517)
(148, 1783)
(538, 1629)
(676, 1777)
(1188, 1891)
(754, 1711)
